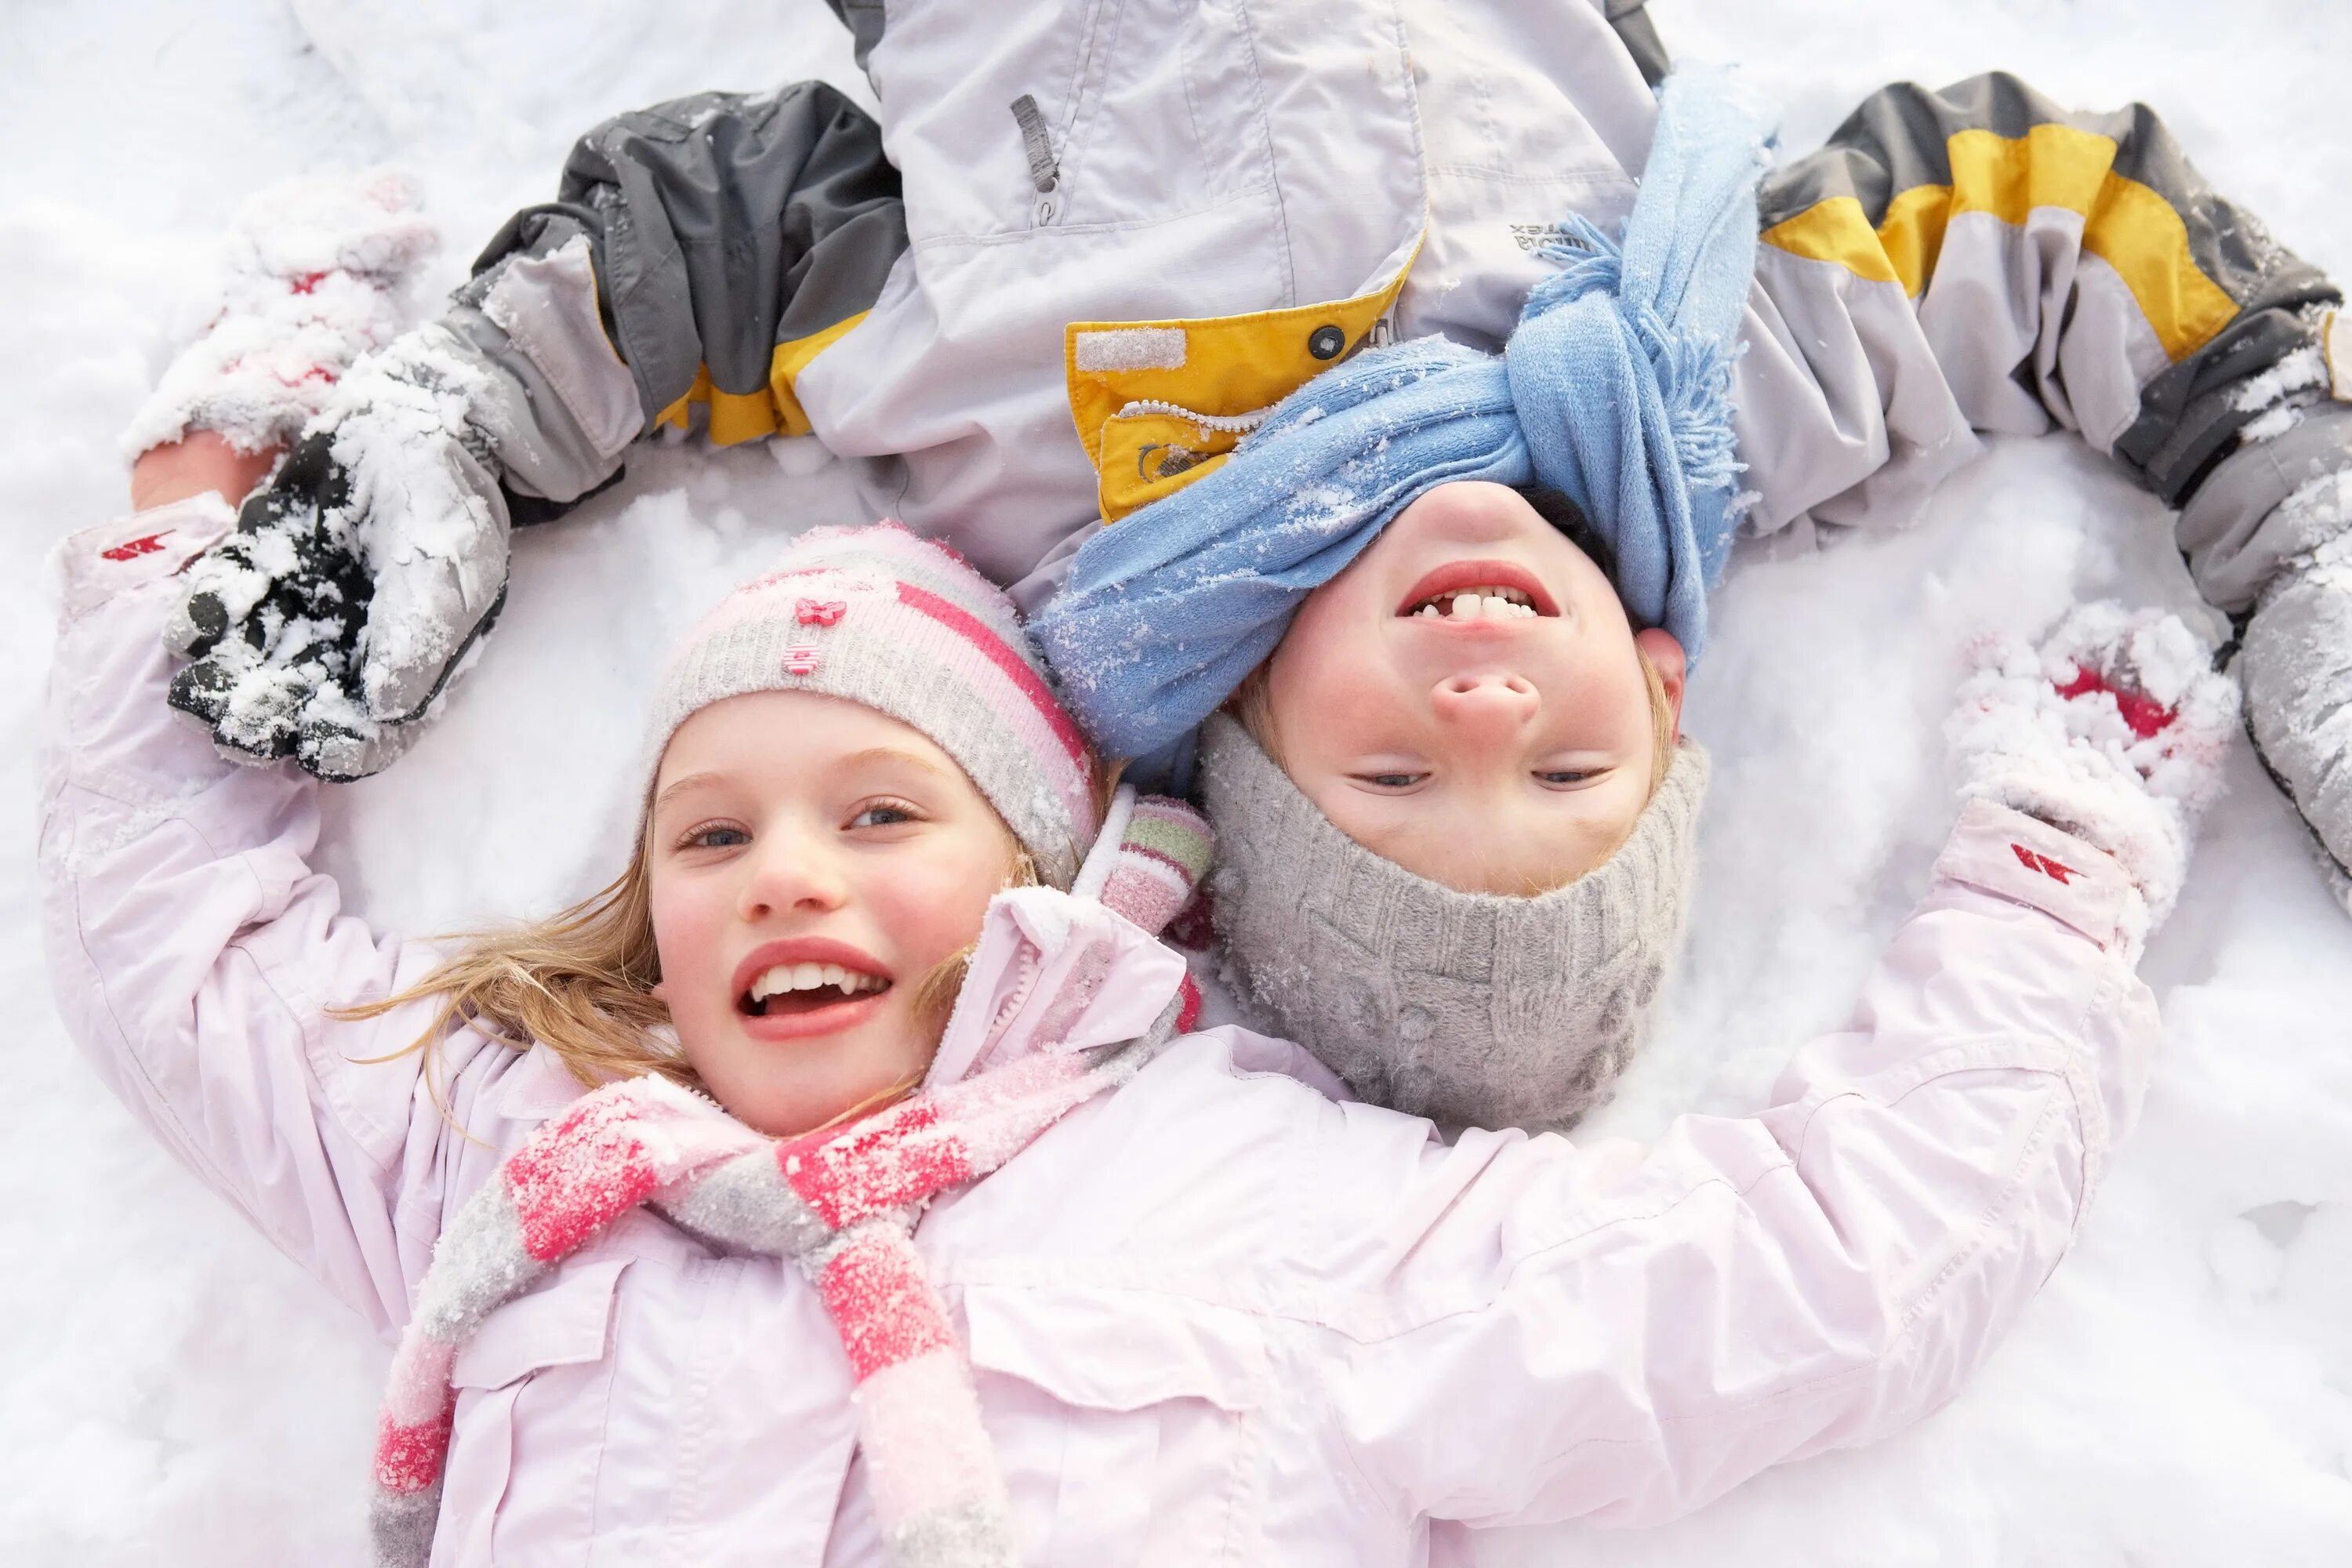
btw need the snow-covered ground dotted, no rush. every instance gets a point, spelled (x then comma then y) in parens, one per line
(172, 1391)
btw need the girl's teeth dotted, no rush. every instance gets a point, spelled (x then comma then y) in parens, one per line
(789, 977)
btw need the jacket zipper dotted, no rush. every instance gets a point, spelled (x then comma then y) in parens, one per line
(1223, 424)
(1045, 169)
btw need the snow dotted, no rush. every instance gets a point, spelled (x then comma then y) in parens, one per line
(2181, 1392)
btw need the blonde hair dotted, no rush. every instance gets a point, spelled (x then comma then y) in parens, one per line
(1252, 705)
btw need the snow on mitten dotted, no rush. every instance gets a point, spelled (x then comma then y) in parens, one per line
(2114, 730)
(317, 272)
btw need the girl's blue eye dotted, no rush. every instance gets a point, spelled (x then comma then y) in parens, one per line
(1563, 777)
(883, 813)
(1391, 781)
(719, 836)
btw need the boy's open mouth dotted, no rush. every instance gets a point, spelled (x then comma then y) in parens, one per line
(1463, 591)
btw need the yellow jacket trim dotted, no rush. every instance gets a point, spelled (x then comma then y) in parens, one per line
(1221, 366)
(1837, 230)
(2125, 223)
(775, 409)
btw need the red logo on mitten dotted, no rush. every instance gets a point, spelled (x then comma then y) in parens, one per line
(133, 548)
(2044, 864)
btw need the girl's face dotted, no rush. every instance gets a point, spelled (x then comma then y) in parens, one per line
(1500, 753)
(812, 862)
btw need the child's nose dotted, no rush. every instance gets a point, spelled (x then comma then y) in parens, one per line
(788, 875)
(1484, 710)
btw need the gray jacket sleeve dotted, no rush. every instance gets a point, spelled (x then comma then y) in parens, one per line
(1980, 259)
(700, 252)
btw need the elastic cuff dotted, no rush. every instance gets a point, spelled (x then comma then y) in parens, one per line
(2027, 861)
(94, 565)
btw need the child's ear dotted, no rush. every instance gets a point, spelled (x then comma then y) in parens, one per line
(1666, 653)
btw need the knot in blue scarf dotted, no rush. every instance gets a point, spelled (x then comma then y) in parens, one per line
(1613, 389)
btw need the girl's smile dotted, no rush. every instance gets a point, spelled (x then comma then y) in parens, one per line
(792, 990)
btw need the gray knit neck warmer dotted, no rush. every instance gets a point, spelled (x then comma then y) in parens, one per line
(1472, 1009)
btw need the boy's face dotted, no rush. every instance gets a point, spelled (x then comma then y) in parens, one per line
(1497, 753)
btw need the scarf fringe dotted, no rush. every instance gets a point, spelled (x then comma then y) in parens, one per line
(1692, 369)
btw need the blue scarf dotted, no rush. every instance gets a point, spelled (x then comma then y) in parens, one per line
(1614, 389)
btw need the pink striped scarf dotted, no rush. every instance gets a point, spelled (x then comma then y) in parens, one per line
(842, 1206)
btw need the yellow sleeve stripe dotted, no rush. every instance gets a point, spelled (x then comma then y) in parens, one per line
(1836, 229)
(2125, 223)
(775, 409)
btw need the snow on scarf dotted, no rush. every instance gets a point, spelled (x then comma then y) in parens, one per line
(1036, 1032)
(1614, 389)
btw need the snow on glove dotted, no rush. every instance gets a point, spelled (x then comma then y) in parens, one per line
(326, 625)
(355, 581)
(2114, 730)
(2297, 668)
(316, 271)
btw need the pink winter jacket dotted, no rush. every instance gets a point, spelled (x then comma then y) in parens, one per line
(1215, 1316)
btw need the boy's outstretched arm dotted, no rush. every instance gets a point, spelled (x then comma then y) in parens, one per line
(1979, 259)
(702, 251)
(729, 239)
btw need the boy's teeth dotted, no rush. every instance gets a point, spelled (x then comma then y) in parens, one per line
(1480, 604)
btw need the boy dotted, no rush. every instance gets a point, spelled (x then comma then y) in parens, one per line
(1297, 183)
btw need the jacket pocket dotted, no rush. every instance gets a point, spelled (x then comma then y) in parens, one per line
(1129, 113)
(1127, 1425)
(529, 1420)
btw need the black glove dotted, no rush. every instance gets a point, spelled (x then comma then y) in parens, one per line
(355, 584)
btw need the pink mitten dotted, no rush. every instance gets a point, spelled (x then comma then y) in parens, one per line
(2114, 730)
(317, 269)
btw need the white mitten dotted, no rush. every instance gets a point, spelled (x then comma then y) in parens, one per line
(316, 271)
(2114, 730)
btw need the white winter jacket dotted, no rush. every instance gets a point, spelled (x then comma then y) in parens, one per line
(1216, 1316)
(1086, 246)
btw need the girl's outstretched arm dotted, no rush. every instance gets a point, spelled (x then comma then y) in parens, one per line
(196, 957)
(1621, 1334)
(1601, 1330)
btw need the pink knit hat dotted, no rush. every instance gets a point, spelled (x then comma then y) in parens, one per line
(880, 616)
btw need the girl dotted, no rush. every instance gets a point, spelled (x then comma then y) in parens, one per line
(1100, 1290)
